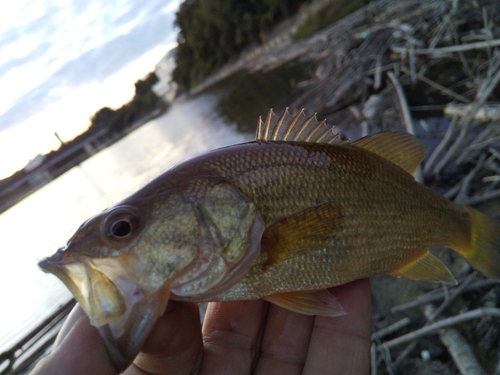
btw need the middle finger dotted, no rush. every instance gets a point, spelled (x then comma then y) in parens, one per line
(285, 343)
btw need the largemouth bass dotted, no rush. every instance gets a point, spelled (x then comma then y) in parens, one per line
(281, 218)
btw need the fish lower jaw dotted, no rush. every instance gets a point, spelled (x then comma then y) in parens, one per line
(123, 309)
(125, 336)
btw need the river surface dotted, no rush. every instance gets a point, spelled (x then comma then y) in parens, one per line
(37, 226)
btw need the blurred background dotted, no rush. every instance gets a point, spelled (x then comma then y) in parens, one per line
(98, 98)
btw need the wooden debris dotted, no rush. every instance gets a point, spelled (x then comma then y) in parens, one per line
(458, 347)
(439, 52)
(444, 323)
(391, 329)
(486, 113)
(438, 294)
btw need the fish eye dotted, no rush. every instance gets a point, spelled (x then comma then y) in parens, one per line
(121, 228)
(121, 224)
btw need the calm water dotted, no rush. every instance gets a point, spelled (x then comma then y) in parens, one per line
(44, 221)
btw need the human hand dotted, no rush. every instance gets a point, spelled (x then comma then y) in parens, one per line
(237, 338)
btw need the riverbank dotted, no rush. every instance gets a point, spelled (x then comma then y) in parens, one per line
(26, 182)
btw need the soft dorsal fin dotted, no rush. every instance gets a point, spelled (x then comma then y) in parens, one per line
(402, 149)
(294, 130)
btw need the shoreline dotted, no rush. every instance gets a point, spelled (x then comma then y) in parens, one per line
(41, 176)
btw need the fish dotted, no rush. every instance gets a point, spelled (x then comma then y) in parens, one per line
(282, 218)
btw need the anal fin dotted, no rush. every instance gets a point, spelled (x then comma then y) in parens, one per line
(428, 268)
(317, 302)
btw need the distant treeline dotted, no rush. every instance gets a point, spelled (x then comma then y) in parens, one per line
(107, 122)
(212, 32)
(116, 121)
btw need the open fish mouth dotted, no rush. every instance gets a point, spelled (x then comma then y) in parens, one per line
(123, 311)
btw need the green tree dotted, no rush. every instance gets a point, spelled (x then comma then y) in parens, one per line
(102, 118)
(213, 32)
(143, 86)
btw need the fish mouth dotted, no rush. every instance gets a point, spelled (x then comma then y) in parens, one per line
(123, 311)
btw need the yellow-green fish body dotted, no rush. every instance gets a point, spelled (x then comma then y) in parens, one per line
(282, 218)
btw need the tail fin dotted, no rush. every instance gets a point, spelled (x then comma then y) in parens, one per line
(483, 253)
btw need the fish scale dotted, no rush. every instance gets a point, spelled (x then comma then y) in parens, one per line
(357, 183)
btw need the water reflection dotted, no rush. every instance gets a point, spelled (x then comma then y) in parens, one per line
(244, 96)
(44, 221)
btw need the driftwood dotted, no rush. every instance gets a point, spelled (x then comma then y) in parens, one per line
(486, 113)
(458, 347)
(448, 322)
(438, 294)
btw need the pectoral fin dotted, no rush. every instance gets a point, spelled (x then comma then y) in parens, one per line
(318, 302)
(309, 229)
(428, 268)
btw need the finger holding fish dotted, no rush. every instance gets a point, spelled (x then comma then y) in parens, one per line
(238, 337)
(173, 346)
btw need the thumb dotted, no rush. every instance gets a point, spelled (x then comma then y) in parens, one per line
(78, 349)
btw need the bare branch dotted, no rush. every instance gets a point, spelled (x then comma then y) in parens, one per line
(448, 322)
(458, 347)
(439, 52)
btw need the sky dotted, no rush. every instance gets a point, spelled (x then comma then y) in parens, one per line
(61, 61)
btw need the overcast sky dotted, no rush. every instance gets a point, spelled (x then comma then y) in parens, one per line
(60, 61)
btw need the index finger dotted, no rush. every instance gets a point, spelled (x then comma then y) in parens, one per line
(174, 345)
(341, 345)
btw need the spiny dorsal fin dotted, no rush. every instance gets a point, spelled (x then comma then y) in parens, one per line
(295, 131)
(402, 149)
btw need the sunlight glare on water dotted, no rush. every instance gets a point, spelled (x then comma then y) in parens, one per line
(44, 221)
